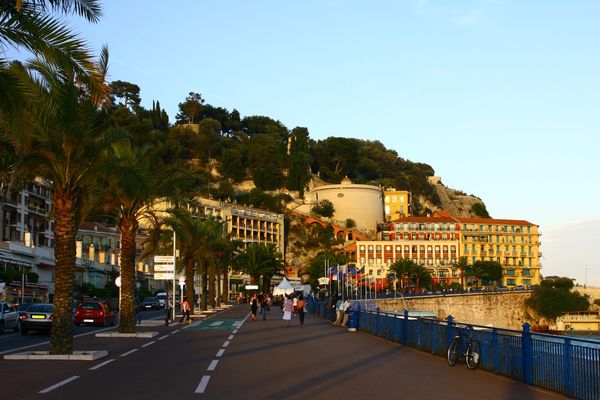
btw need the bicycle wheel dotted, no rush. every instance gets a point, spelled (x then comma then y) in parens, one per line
(453, 351)
(473, 355)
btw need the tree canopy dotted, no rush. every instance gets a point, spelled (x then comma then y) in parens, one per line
(553, 297)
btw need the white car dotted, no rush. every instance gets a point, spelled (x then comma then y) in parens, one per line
(9, 317)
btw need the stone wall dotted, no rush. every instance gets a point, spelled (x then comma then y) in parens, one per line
(503, 310)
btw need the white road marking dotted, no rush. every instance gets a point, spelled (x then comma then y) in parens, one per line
(217, 323)
(230, 337)
(149, 343)
(129, 352)
(226, 343)
(220, 352)
(234, 331)
(212, 365)
(162, 337)
(47, 342)
(59, 384)
(102, 364)
(203, 383)
(174, 332)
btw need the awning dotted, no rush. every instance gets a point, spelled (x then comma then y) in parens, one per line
(12, 258)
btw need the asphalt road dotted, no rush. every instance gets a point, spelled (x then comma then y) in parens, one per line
(11, 340)
(228, 356)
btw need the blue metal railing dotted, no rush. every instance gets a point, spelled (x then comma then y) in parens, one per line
(559, 363)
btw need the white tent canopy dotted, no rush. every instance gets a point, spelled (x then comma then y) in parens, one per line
(285, 287)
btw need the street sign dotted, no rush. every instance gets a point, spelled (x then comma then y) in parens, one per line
(164, 268)
(164, 260)
(164, 275)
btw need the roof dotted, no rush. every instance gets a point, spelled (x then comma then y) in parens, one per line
(426, 219)
(97, 227)
(494, 221)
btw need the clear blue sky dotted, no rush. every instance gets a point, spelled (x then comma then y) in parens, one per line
(500, 97)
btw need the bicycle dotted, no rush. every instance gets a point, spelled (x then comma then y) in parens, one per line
(472, 353)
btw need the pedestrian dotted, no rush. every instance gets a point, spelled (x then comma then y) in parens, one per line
(300, 308)
(167, 313)
(339, 312)
(254, 306)
(347, 306)
(264, 307)
(185, 312)
(138, 311)
(288, 307)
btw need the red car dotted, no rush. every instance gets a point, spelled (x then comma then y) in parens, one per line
(94, 313)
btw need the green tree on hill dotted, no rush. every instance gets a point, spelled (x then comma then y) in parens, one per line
(554, 297)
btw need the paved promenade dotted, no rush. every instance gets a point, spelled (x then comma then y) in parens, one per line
(228, 356)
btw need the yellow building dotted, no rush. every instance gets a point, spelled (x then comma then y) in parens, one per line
(514, 244)
(396, 203)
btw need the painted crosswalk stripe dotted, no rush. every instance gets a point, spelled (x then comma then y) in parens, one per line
(220, 352)
(129, 352)
(102, 364)
(203, 383)
(212, 365)
(226, 343)
(217, 323)
(59, 384)
(149, 343)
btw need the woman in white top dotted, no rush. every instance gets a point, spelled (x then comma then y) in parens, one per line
(288, 307)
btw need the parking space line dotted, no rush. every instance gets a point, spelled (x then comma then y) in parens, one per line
(149, 343)
(102, 364)
(202, 385)
(129, 352)
(59, 384)
(212, 365)
(220, 352)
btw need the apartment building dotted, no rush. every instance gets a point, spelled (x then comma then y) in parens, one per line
(396, 204)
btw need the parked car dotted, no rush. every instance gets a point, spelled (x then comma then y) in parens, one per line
(36, 317)
(151, 303)
(94, 312)
(162, 298)
(9, 317)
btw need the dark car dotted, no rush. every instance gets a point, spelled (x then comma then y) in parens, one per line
(151, 303)
(95, 313)
(36, 317)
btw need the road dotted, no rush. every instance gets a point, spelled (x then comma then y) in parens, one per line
(11, 340)
(229, 356)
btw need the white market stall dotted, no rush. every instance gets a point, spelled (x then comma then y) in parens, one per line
(285, 287)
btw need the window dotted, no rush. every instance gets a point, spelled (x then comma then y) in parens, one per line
(387, 199)
(510, 282)
(394, 199)
(510, 272)
(526, 282)
(526, 272)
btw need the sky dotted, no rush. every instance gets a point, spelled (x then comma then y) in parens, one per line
(500, 97)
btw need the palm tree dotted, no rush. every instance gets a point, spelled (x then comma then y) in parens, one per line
(260, 260)
(403, 267)
(63, 144)
(130, 189)
(463, 265)
(30, 25)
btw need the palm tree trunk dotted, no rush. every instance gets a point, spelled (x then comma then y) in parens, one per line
(204, 294)
(128, 228)
(189, 283)
(225, 286)
(61, 339)
(211, 287)
(218, 290)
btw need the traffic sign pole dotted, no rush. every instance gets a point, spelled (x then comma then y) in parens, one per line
(174, 261)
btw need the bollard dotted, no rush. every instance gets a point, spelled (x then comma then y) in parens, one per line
(352, 321)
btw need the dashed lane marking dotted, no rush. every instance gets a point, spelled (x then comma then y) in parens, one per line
(212, 365)
(102, 364)
(59, 384)
(230, 337)
(163, 337)
(203, 383)
(220, 352)
(129, 352)
(226, 343)
(149, 343)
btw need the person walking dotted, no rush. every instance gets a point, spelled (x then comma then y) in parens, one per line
(288, 307)
(347, 306)
(300, 304)
(185, 312)
(264, 307)
(254, 307)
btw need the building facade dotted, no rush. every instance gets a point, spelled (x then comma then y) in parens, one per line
(396, 203)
